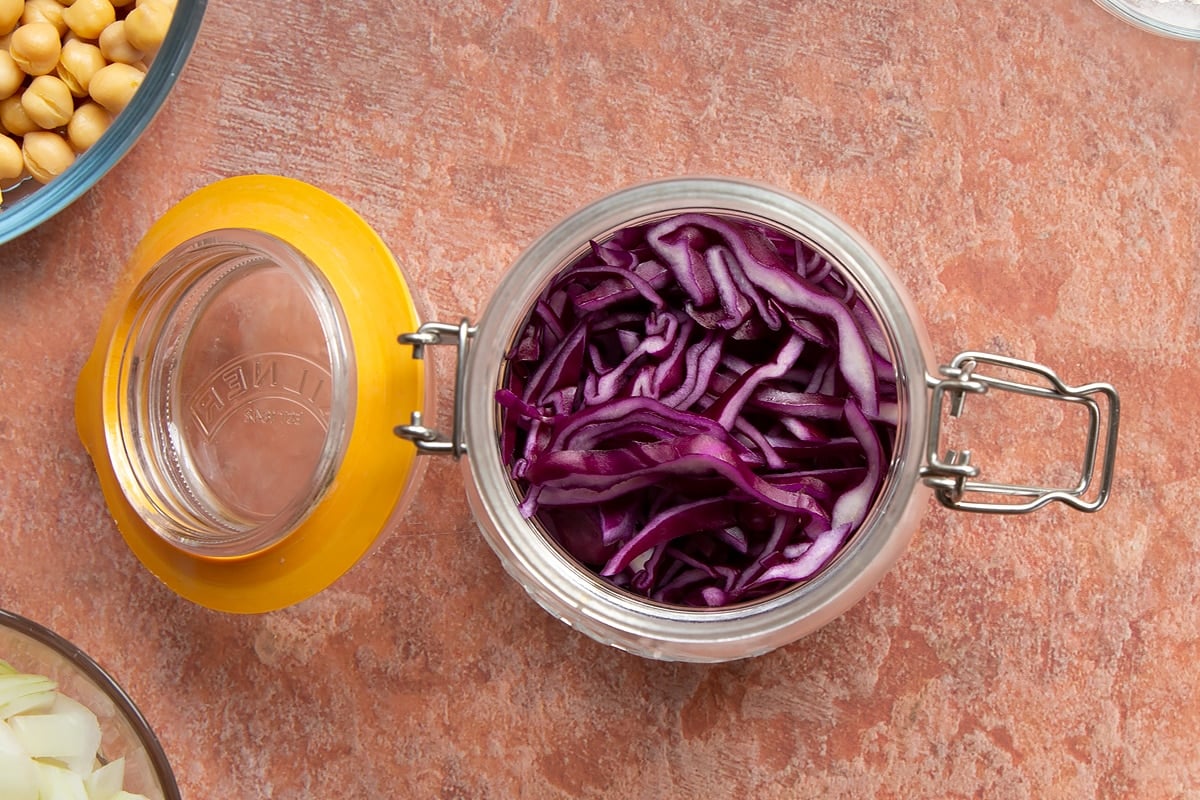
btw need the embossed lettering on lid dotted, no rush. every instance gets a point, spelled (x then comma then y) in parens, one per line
(237, 393)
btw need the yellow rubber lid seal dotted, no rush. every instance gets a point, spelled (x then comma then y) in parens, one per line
(378, 468)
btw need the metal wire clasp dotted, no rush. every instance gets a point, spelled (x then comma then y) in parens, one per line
(954, 476)
(429, 440)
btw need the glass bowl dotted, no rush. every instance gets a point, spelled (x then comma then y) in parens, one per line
(1178, 19)
(32, 648)
(29, 205)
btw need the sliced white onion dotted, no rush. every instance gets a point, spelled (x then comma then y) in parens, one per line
(18, 772)
(69, 732)
(59, 783)
(50, 743)
(107, 781)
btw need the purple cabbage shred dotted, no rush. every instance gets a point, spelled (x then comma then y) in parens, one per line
(700, 410)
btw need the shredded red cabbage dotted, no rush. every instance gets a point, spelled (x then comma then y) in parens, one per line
(700, 410)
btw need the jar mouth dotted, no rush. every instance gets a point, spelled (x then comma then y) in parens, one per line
(630, 621)
(234, 393)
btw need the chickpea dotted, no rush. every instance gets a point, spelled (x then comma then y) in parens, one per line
(78, 63)
(87, 125)
(44, 11)
(36, 48)
(13, 117)
(12, 164)
(87, 18)
(146, 26)
(115, 46)
(11, 76)
(48, 102)
(114, 86)
(10, 14)
(46, 154)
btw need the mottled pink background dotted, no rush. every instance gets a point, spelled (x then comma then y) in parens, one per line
(1031, 170)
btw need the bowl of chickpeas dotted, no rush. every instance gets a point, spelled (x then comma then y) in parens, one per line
(80, 80)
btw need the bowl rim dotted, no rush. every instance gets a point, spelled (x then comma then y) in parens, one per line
(1148, 22)
(127, 128)
(106, 683)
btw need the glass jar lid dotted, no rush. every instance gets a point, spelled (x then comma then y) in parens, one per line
(236, 401)
(240, 400)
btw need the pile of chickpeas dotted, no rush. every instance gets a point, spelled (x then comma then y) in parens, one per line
(67, 68)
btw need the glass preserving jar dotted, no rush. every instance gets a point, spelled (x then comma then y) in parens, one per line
(255, 424)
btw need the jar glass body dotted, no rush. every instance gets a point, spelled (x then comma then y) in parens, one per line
(615, 617)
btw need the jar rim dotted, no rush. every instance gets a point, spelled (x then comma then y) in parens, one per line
(622, 619)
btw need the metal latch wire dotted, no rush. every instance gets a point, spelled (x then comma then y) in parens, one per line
(953, 476)
(427, 439)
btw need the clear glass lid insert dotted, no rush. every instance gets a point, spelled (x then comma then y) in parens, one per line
(236, 393)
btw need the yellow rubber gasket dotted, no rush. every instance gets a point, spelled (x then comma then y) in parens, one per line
(378, 466)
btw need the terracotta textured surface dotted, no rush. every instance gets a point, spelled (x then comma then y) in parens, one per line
(1031, 170)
